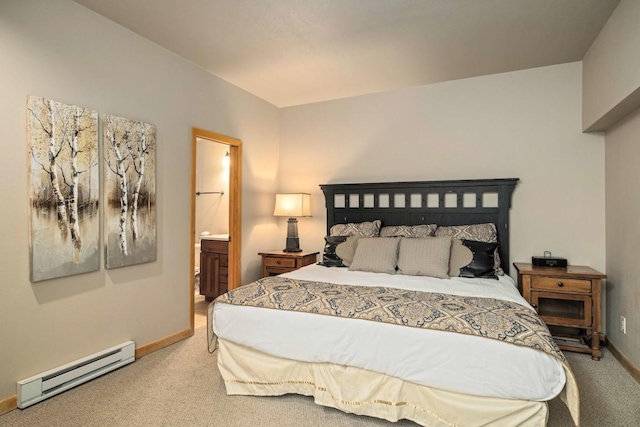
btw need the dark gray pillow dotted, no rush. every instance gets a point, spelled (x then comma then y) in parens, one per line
(483, 262)
(329, 257)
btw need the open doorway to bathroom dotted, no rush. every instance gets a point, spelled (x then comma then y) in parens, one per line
(215, 219)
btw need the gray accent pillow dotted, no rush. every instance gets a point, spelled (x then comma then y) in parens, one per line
(365, 229)
(424, 230)
(486, 232)
(376, 255)
(347, 250)
(428, 256)
(461, 256)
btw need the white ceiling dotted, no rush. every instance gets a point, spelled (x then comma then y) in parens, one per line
(292, 52)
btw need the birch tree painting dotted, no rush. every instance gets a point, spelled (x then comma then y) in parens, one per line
(64, 194)
(129, 180)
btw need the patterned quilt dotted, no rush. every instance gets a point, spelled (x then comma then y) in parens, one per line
(485, 317)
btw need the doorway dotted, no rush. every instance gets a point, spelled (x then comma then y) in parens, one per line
(233, 147)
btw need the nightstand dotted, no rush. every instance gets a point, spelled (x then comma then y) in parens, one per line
(568, 300)
(278, 262)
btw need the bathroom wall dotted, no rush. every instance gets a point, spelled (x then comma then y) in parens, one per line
(212, 174)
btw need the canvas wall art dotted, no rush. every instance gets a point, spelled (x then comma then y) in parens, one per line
(129, 191)
(63, 189)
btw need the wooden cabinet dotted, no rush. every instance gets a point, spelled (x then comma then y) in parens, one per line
(568, 300)
(214, 263)
(278, 262)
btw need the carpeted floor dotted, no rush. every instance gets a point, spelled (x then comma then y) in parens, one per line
(180, 386)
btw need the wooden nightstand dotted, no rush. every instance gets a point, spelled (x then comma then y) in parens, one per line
(278, 262)
(568, 300)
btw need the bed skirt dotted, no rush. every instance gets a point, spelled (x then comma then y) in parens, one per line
(249, 372)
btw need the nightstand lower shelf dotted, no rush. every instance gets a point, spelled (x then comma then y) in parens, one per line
(572, 339)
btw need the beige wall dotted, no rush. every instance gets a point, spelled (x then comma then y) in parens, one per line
(611, 72)
(623, 234)
(612, 69)
(60, 50)
(523, 124)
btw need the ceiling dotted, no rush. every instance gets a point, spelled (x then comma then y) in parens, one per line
(292, 52)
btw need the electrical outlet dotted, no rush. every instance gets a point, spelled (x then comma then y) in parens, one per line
(623, 324)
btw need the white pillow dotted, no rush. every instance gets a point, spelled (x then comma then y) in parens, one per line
(376, 255)
(428, 256)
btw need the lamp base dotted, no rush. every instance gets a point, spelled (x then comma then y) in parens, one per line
(293, 245)
(293, 242)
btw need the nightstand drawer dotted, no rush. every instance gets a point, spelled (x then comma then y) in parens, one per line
(561, 283)
(279, 262)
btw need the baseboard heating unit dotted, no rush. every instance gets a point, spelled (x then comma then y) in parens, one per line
(39, 387)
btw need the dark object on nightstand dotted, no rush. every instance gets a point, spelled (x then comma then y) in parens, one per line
(548, 261)
(568, 301)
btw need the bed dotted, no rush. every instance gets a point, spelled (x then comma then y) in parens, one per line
(384, 338)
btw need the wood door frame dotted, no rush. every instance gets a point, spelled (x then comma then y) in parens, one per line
(235, 209)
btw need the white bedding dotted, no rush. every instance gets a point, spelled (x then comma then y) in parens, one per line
(443, 360)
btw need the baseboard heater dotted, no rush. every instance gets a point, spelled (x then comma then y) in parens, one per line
(42, 386)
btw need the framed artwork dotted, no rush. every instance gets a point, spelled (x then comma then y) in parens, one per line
(129, 191)
(63, 189)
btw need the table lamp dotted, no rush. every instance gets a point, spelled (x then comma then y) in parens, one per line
(292, 205)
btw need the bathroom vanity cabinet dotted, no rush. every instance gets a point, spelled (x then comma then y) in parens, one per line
(214, 263)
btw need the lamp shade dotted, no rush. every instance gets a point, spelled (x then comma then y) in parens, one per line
(293, 205)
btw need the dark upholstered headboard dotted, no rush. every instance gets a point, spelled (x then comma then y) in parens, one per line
(460, 202)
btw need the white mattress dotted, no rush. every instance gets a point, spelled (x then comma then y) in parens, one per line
(444, 360)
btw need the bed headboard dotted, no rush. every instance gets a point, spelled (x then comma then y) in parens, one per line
(458, 202)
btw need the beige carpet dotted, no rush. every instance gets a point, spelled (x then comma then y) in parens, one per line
(180, 386)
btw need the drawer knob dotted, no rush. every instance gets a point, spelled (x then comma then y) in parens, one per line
(278, 262)
(560, 284)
